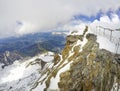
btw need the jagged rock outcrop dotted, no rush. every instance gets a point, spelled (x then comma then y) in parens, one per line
(41, 62)
(56, 59)
(9, 57)
(73, 38)
(93, 69)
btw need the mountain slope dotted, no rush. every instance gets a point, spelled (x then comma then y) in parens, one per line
(83, 66)
(21, 75)
(32, 44)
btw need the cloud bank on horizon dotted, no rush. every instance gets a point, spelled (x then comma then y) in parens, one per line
(30, 16)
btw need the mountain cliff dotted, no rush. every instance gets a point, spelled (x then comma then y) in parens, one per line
(82, 66)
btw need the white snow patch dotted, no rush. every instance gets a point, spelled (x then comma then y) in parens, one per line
(83, 43)
(15, 74)
(103, 38)
(106, 44)
(54, 81)
(18, 77)
(115, 85)
(40, 87)
(47, 57)
(17, 71)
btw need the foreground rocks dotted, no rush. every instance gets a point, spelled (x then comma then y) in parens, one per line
(93, 69)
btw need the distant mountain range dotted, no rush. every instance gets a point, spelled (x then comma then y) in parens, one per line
(32, 44)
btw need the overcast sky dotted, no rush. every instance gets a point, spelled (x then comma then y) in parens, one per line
(18, 17)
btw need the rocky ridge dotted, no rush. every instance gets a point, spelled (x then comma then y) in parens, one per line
(82, 66)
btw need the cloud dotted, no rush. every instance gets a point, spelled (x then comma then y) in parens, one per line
(40, 15)
(112, 22)
(24, 28)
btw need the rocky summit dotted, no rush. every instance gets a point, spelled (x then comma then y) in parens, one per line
(83, 66)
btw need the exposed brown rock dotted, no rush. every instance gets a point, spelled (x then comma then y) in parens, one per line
(94, 69)
(56, 59)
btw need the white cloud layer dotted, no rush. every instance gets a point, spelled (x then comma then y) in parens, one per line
(105, 21)
(38, 15)
(112, 22)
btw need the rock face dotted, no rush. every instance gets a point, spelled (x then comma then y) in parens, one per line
(38, 61)
(56, 59)
(93, 69)
(97, 71)
(9, 57)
